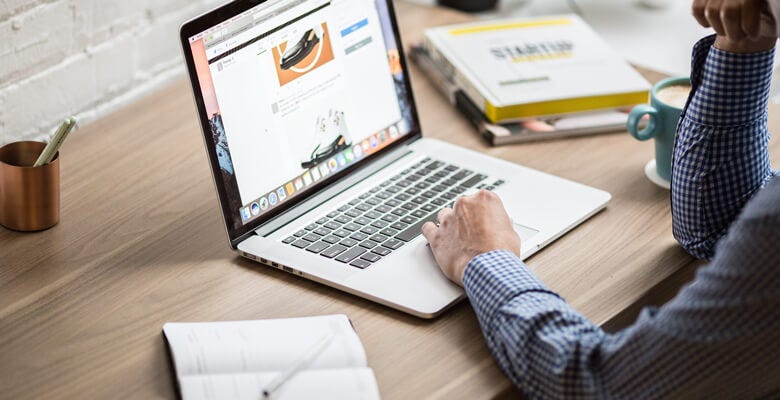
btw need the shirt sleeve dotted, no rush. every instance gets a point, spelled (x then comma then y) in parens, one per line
(719, 333)
(721, 155)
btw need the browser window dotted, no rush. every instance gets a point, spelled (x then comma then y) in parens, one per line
(297, 91)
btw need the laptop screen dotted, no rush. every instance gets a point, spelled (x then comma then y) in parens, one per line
(297, 92)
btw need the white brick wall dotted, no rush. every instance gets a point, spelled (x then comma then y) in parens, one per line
(84, 58)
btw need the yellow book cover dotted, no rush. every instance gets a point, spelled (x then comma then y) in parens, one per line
(525, 68)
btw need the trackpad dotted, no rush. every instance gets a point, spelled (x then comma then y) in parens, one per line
(525, 232)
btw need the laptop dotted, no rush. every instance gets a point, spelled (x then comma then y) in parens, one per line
(319, 161)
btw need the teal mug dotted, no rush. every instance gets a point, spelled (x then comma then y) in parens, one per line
(662, 125)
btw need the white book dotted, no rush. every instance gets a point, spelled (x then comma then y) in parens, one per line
(237, 360)
(533, 67)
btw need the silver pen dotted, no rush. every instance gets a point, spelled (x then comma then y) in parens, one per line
(313, 352)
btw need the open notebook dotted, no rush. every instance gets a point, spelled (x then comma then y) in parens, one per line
(236, 360)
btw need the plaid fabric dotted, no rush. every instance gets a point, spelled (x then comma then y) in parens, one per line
(719, 337)
(721, 156)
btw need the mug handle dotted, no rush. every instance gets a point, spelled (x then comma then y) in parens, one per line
(633, 122)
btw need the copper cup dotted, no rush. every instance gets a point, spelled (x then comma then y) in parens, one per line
(29, 196)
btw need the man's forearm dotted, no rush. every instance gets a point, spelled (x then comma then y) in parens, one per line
(720, 157)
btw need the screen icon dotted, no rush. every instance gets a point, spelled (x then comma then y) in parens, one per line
(264, 204)
(299, 183)
(366, 146)
(333, 164)
(273, 199)
(342, 161)
(394, 132)
(324, 170)
(315, 174)
(255, 208)
(290, 189)
(382, 136)
(282, 195)
(349, 155)
(374, 142)
(245, 214)
(307, 179)
(358, 151)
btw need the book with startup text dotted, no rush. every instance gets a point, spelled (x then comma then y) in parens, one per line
(527, 130)
(238, 360)
(514, 70)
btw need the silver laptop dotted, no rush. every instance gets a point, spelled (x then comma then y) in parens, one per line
(319, 162)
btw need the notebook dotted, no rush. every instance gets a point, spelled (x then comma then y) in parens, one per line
(236, 360)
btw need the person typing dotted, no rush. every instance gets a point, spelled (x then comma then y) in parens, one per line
(718, 338)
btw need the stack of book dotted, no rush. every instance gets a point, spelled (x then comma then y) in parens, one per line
(531, 79)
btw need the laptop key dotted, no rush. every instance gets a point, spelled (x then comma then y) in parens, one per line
(409, 206)
(332, 225)
(323, 220)
(400, 211)
(349, 242)
(399, 226)
(409, 219)
(317, 247)
(289, 240)
(359, 236)
(369, 244)
(332, 239)
(422, 185)
(353, 213)
(393, 244)
(344, 208)
(403, 197)
(372, 215)
(449, 195)
(451, 168)
(333, 214)
(312, 237)
(343, 219)
(311, 227)
(352, 227)
(474, 180)
(333, 251)
(461, 174)
(439, 188)
(379, 224)
(362, 221)
(392, 203)
(429, 208)
(373, 201)
(323, 231)
(384, 195)
(394, 189)
(351, 254)
(369, 230)
(360, 263)
(364, 207)
(439, 202)
(365, 196)
(419, 214)
(371, 257)
(389, 231)
(420, 200)
(414, 230)
(301, 244)
(341, 233)
(300, 233)
(389, 218)
(412, 191)
(379, 238)
(354, 202)
(382, 251)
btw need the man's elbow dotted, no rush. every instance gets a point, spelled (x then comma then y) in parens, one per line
(699, 246)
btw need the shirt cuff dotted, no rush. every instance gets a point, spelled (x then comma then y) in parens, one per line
(728, 89)
(493, 279)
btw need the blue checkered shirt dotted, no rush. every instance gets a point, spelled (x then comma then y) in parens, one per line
(720, 337)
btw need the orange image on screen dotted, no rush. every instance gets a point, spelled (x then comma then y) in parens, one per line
(297, 57)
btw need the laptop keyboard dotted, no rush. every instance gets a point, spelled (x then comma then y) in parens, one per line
(383, 219)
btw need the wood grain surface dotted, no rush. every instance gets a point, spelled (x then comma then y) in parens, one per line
(141, 243)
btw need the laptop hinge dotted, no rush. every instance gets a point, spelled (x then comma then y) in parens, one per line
(333, 190)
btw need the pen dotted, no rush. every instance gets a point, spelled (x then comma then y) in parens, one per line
(56, 141)
(298, 365)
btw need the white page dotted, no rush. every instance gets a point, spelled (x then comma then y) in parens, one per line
(342, 384)
(261, 346)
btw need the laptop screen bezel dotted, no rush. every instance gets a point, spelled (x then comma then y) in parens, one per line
(224, 13)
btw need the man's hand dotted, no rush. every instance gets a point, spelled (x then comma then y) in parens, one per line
(476, 224)
(743, 26)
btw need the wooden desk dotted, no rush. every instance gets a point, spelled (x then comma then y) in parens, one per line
(141, 243)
